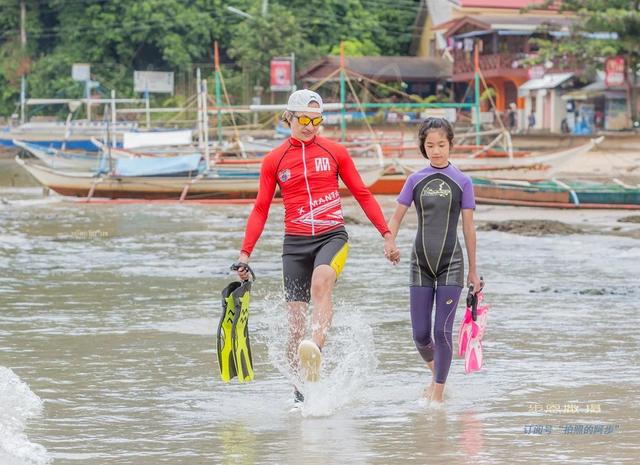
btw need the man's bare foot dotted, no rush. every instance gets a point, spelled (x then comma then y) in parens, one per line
(310, 359)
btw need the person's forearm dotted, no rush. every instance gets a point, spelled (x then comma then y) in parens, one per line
(394, 226)
(470, 243)
(396, 220)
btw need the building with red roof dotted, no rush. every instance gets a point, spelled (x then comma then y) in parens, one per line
(501, 30)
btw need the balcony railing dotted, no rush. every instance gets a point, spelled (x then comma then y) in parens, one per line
(463, 62)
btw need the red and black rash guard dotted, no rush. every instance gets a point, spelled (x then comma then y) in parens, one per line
(307, 174)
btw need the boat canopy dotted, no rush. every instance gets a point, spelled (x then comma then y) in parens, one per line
(158, 166)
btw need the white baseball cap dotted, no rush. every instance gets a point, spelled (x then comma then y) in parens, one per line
(300, 100)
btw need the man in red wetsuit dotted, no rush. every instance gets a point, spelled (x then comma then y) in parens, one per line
(306, 168)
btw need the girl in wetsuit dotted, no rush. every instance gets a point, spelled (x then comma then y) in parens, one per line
(440, 192)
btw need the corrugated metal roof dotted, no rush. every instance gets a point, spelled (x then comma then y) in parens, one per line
(382, 68)
(501, 3)
(513, 23)
(549, 81)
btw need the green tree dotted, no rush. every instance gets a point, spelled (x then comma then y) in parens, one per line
(256, 40)
(395, 24)
(603, 28)
(119, 36)
(357, 48)
(335, 21)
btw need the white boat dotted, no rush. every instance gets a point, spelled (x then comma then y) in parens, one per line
(74, 135)
(84, 160)
(549, 161)
(58, 159)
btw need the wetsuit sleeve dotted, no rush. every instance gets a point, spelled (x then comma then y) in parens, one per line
(406, 194)
(349, 174)
(468, 198)
(260, 212)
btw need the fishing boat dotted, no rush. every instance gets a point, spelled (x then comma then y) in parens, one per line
(488, 163)
(73, 135)
(393, 179)
(80, 160)
(113, 185)
(92, 160)
(557, 194)
(137, 178)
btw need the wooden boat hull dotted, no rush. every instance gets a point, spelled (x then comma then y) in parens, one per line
(388, 184)
(485, 194)
(555, 194)
(145, 187)
(391, 183)
(152, 187)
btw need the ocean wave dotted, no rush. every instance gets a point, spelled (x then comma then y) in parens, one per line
(17, 405)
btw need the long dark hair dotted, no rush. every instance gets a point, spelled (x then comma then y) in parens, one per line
(434, 124)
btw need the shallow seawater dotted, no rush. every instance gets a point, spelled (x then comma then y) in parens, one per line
(107, 347)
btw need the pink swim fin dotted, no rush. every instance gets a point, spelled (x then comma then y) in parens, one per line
(473, 356)
(464, 334)
(472, 331)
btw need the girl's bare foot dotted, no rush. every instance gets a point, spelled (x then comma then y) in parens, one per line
(437, 395)
(431, 366)
(428, 391)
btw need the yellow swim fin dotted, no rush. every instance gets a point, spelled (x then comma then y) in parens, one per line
(240, 333)
(226, 360)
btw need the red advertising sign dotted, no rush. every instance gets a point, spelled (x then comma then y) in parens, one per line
(614, 71)
(281, 75)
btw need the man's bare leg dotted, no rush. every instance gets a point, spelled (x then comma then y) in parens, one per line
(297, 318)
(322, 283)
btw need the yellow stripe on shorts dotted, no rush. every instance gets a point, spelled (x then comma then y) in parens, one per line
(340, 259)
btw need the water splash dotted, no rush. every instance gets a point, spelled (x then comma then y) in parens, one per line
(17, 405)
(348, 360)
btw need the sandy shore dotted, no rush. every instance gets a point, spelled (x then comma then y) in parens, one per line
(603, 166)
(597, 165)
(623, 165)
(530, 220)
(550, 220)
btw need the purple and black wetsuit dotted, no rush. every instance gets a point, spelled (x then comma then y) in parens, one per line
(437, 265)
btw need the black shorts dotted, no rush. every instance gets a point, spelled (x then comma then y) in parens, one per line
(302, 254)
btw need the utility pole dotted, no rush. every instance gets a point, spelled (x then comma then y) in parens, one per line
(23, 23)
(23, 43)
(265, 7)
(343, 96)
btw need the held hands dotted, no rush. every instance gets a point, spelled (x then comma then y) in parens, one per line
(391, 252)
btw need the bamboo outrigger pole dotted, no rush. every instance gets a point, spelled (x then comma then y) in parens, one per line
(343, 96)
(216, 60)
(476, 61)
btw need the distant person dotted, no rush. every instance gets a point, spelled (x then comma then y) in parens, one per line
(306, 168)
(599, 119)
(512, 118)
(564, 126)
(440, 193)
(532, 121)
